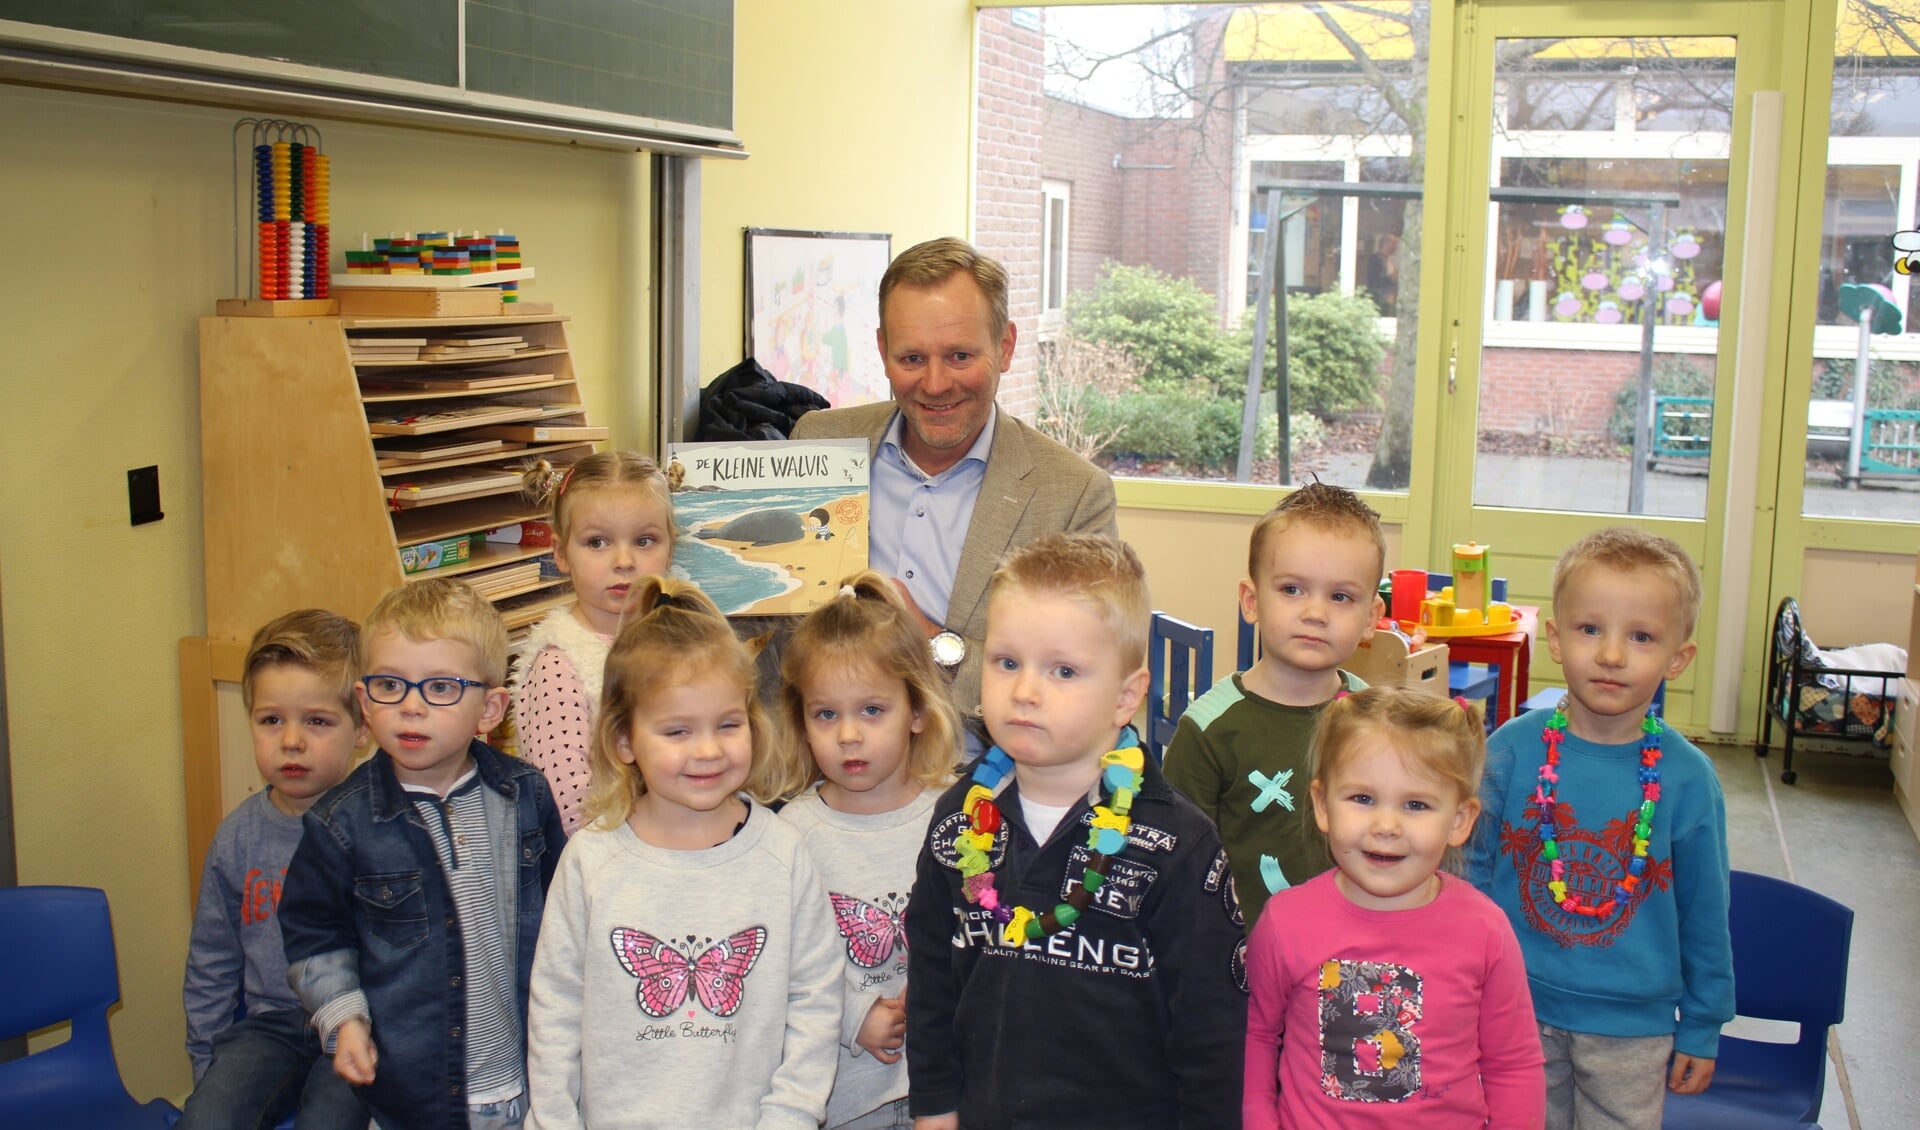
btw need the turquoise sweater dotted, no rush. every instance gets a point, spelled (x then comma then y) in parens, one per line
(1669, 948)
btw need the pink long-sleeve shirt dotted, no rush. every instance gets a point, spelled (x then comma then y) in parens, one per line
(1365, 1018)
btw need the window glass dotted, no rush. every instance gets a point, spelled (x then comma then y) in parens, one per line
(1608, 213)
(1862, 424)
(1201, 146)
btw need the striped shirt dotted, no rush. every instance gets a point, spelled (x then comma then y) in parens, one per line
(458, 825)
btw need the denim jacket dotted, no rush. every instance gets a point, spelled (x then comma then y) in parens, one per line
(366, 908)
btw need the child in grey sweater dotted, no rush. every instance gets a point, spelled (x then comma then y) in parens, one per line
(688, 972)
(872, 742)
(298, 688)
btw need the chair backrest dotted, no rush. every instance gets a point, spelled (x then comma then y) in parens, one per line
(60, 963)
(1179, 661)
(60, 966)
(1790, 953)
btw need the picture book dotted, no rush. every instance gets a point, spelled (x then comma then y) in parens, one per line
(769, 527)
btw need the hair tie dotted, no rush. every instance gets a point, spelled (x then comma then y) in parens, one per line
(1462, 703)
(664, 600)
(566, 479)
(847, 590)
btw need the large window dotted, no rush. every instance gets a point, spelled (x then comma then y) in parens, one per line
(1215, 154)
(1863, 415)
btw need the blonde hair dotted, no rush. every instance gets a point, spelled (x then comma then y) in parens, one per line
(1102, 572)
(868, 626)
(676, 636)
(934, 262)
(440, 608)
(1323, 507)
(312, 639)
(1438, 737)
(558, 488)
(1624, 549)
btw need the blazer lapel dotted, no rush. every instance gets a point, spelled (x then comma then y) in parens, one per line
(1005, 492)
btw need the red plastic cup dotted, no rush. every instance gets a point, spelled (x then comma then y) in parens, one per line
(1409, 589)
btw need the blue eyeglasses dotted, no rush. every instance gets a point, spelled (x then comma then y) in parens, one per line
(441, 690)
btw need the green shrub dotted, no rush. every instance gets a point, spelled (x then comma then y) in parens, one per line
(1335, 350)
(1169, 325)
(1889, 383)
(1191, 426)
(1674, 374)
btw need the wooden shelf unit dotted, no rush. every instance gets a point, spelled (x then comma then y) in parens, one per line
(299, 512)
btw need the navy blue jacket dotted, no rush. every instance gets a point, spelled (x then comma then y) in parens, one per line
(366, 907)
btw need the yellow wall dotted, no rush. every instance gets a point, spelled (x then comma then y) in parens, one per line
(119, 237)
(856, 113)
(1194, 564)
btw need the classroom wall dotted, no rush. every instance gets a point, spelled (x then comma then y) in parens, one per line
(856, 114)
(118, 238)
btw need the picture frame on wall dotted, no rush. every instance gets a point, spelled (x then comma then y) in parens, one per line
(813, 310)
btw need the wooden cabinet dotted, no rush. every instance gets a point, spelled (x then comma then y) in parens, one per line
(307, 506)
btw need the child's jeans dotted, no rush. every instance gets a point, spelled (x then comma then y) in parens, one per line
(892, 1116)
(1604, 1082)
(266, 1067)
(507, 1114)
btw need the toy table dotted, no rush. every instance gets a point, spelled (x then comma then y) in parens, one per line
(1511, 651)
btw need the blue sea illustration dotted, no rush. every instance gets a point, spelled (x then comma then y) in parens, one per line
(734, 583)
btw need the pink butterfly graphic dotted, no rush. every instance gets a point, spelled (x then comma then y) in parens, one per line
(871, 932)
(717, 973)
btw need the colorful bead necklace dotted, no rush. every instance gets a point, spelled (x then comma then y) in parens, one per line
(1121, 772)
(1543, 795)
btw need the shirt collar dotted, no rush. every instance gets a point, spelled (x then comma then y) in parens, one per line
(466, 779)
(982, 445)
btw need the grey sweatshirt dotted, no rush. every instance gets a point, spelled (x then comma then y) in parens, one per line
(866, 863)
(235, 953)
(684, 988)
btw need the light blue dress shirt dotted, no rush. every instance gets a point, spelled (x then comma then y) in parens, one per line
(919, 520)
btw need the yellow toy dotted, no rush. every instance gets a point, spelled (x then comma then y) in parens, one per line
(1462, 608)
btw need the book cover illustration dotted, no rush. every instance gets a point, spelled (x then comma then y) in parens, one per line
(768, 527)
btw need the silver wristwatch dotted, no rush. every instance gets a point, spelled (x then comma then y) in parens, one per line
(948, 649)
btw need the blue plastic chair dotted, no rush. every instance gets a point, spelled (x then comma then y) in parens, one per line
(1179, 662)
(1476, 682)
(1790, 951)
(59, 966)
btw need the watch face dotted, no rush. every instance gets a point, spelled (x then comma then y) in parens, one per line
(948, 649)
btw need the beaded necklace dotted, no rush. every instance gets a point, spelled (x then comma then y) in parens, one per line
(1543, 795)
(1121, 775)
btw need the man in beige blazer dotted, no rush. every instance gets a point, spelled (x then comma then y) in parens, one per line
(949, 500)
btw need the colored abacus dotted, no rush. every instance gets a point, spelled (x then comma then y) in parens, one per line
(292, 186)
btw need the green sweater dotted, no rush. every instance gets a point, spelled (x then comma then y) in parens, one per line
(1244, 760)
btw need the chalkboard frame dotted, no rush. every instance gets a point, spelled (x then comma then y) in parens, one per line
(26, 48)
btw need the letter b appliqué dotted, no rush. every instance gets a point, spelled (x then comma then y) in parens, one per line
(1369, 1046)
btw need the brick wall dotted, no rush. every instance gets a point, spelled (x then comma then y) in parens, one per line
(1565, 392)
(1080, 145)
(1006, 208)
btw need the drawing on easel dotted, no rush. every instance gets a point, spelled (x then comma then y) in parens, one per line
(813, 310)
(769, 527)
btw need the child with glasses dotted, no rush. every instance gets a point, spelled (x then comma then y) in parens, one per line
(411, 909)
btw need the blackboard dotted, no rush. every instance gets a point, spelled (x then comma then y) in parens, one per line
(405, 39)
(666, 60)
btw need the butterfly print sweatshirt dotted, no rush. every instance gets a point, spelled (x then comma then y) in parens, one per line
(866, 863)
(685, 988)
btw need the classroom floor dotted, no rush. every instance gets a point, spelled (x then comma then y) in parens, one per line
(1839, 831)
